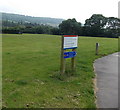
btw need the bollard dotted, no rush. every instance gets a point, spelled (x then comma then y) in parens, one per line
(97, 48)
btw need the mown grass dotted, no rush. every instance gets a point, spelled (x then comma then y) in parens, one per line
(31, 64)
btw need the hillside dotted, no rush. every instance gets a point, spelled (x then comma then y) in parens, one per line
(29, 19)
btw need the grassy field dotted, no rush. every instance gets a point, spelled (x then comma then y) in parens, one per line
(31, 64)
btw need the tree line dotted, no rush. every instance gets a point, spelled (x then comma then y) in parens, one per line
(96, 26)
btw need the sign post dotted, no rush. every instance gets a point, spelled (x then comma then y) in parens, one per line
(68, 42)
(73, 61)
(62, 66)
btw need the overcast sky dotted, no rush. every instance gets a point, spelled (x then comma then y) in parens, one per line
(79, 9)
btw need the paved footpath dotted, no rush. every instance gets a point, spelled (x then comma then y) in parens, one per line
(106, 69)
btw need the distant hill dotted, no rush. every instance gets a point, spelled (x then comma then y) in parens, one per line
(29, 19)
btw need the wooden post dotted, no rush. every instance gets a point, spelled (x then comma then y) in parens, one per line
(62, 66)
(73, 62)
(97, 48)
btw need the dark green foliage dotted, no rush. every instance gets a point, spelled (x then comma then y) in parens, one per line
(10, 30)
(94, 25)
(112, 27)
(55, 31)
(31, 28)
(98, 25)
(70, 26)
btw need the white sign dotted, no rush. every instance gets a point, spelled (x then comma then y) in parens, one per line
(70, 41)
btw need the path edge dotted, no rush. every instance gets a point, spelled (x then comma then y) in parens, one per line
(95, 88)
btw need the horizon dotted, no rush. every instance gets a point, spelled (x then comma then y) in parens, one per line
(48, 17)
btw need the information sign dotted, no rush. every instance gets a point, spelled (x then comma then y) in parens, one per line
(70, 41)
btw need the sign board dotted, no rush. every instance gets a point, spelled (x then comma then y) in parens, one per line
(70, 41)
(69, 54)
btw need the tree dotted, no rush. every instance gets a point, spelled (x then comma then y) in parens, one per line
(94, 26)
(55, 31)
(112, 27)
(70, 26)
(98, 25)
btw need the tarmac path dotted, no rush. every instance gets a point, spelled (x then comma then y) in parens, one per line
(106, 69)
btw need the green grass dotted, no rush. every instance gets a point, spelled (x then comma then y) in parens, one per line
(31, 64)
